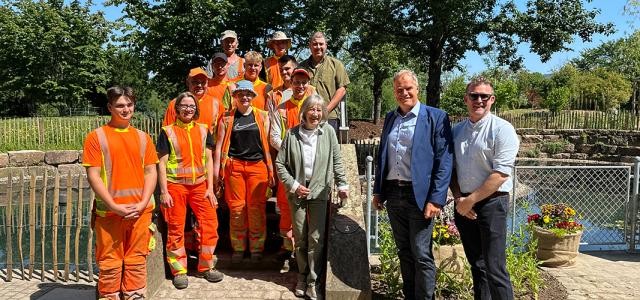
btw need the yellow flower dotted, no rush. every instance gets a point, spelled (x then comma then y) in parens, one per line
(446, 235)
(434, 234)
(546, 219)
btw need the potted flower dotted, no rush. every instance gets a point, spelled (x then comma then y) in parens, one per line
(558, 234)
(448, 252)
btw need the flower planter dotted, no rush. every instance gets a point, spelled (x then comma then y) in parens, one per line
(450, 258)
(554, 251)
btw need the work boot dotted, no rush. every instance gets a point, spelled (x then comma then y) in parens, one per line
(256, 257)
(212, 275)
(300, 286)
(236, 257)
(180, 281)
(311, 292)
(285, 266)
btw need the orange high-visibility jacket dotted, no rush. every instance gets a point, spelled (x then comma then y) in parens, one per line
(262, 120)
(273, 71)
(260, 100)
(238, 65)
(122, 155)
(210, 110)
(187, 159)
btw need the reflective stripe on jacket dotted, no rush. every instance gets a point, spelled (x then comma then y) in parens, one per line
(107, 171)
(187, 158)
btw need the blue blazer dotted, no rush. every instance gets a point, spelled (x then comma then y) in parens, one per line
(431, 156)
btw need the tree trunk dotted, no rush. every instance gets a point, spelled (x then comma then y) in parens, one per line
(435, 72)
(378, 79)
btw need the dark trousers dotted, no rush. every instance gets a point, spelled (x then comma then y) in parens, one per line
(484, 242)
(412, 234)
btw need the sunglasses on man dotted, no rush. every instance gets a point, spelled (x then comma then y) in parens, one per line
(482, 97)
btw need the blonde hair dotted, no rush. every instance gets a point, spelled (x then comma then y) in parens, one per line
(253, 56)
(310, 102)
(406, 72)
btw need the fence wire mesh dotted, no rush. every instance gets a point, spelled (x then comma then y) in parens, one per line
(600, 195)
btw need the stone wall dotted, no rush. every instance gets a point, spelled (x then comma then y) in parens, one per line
(33, 162)
(582, 144)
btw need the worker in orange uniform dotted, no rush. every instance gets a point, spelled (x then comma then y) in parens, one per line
(252, 68)
(121, 170)
(210, 108)
(279, 43)
(186, 178)
(288, 116)
(219, 87)
(243, 162)
(235, 63)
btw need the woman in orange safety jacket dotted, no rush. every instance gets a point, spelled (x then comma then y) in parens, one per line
(244, 164)
(186, 178)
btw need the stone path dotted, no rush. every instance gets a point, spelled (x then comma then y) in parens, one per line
(596, 275)
(601, 275)
(237, 284)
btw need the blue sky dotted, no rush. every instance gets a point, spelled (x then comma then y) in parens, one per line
(610, 11)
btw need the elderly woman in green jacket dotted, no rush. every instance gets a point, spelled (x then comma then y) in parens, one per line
(308, 163)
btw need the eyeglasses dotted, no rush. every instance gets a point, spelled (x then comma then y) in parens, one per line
(482, 97)
(198, 82)
(185, 106)
(299, 83)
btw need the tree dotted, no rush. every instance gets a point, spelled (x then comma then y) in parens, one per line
(360, 29)
(557, 99)
(173, 36)
(534, 87)
(452, 100)
(441, 32)
(621, 56)
(51, 56)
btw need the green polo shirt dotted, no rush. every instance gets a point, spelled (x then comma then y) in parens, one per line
(328, 76)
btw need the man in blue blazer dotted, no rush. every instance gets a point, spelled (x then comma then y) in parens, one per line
(413, 172)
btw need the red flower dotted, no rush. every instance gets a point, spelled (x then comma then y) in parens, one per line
(533, 218)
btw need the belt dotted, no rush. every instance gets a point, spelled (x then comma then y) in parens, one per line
(396, 182)
(494, 195)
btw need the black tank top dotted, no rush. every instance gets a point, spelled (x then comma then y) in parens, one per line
(245, 138)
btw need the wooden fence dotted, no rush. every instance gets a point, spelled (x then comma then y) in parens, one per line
(366, 148)
(60, 133)
(57, 133)
(623, 120)
(46, 219)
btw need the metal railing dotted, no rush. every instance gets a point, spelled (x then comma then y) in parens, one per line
(605, 198)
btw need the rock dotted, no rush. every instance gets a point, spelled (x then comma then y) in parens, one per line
(561, 156)
(629, 151)
(4, 160)
(58, 157)
(527, 139)
(24, 158)
(581, 156)
(348, 273)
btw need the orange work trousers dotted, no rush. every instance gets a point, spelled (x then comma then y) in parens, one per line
(192, 195)
(286, 229)
(122, 247)
(245, 190)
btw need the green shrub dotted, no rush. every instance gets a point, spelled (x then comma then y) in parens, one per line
(389, 262)
(522, 263)
(553, 147)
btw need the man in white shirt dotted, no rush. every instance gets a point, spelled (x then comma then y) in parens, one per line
(485, 148)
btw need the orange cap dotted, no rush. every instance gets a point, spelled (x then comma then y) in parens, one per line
(197, 71)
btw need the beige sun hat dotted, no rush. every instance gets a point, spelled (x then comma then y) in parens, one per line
(228, 34)
(278, 36)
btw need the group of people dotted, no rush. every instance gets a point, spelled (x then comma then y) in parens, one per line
(230, 137)
(420, 158)
(234, 132)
